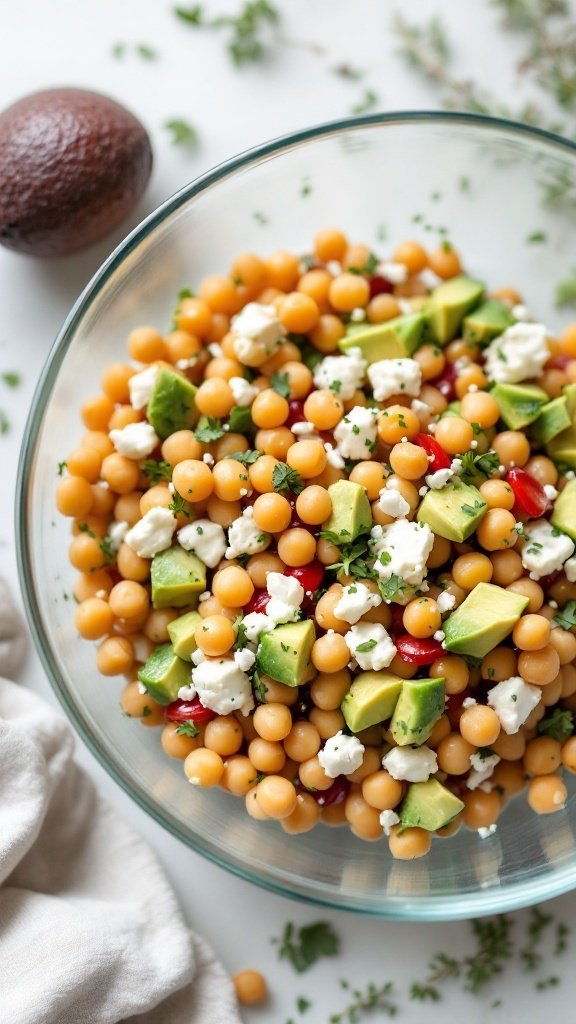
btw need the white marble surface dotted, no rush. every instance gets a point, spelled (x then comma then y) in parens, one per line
(67, 42)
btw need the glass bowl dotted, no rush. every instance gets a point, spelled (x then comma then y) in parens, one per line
(488, 186)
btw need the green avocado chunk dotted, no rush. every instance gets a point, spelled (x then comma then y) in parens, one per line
(562, 448)
(371, 699)
(449, 304)
(564, 514)
(178, 576)
(520, 404)
(394, 339)
(351, 513)
(172, 405)
(181, 632)
(452, 409)
(483, 620)
(553, 419)
(284, 653)
(453, 511)
(428, 805)
(164, 673)
(486, 322)
(419, 706)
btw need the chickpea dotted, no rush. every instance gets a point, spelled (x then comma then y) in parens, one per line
(272, 513)
(304, 817)
(381, 308)
(330, 653)
(480, 725)
(531, 632)
(539, 667)
(422, 617)
(94, 618)
(258, 567)
(131, 566)
(140, 705)
(219, 294)
(129, 600)
(313, 776)
(296, 547)
(499, 664)
(303, 741)
(509, 776)
(480, 407)
(115, 656)
(510, 748)
(454, 670)
(431, 361)
(232, 586)
(88, 584)
(547, 794)
(329, 689)
(74, 496)
(397, 422)
(193, 480)
(444, 261)
(497, 530)
(215, 635)
(330, 244)
(327, 333)
(454, 434)
(409, 460)
(512, 448)
(266, 755)
(364, 820)
(381, 791)
(409, 844)
(454, 753)
(481, 809)
(568, 754)
(276, 796)
(497, 494)
(470, 569)
(96, 412)
(195, 316)
(204, 768)
(175, 744)
(324, 409)
(283, 270)
(180, 446)
(414, 257)
(261, 472)
(564, 643)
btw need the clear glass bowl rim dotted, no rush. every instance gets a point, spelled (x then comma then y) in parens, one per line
(450, 907)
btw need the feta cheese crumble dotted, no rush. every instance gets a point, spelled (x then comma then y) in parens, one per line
(395, 273)
(187, 692)
(570, 569)
(222, 686)
(256, 623)
(518, 354)
(486, 831)
(393, 503)
(257, 332)
(395, 377)
(244, 393)
(152, 533)
(370, 644)
(356, 433)
(437, 480)
(286, 596)
(402, 549)
(513, 700)
(244, 659)
(550, 492)
(135, 440)
(333, 456)
(341, 374)
(356, 600)
(387, 820)
(410, 764)
(244, 537)
(445, 601)
(141, 386)
(341, 755)
(482, 769)
(545, 548)
(206, 539)
(117, 534)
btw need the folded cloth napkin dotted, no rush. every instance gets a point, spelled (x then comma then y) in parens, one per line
(90, 931)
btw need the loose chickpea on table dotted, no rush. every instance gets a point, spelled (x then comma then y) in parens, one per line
(342, 608)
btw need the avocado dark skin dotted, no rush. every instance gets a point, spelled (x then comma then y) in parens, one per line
(73, 165)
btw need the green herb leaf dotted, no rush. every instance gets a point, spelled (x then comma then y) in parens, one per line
(246, 458)
(182, 133)
(566, 290)
(367, 102)
(305, 946)
(285, 479)
(280, 382)
(368, 645)
(61, 467)
(146, 52)
(108, 549)
(4, 423)
(240, 420)
(537, 238)
(156, 470)
(12, 379)
(188, 729)
(303, 1004)
(260, 688)
(209, 430)
(566, 617)
(390, 588)
(190, 15)
(179, 505)
(558, 724)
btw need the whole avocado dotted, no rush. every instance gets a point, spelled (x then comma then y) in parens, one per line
(73, 165)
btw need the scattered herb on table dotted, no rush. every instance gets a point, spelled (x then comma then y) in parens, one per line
(61, 468)
(374, 997)
(146, 52)
(566, 290)
(537, 238)
(11, 379)
(302, 947)
(182, 133)
(245, 43)
(367, 102)
(4, 423)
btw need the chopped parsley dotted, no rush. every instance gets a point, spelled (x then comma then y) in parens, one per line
(210, 429)
(157, 470)
(12, 379)
(368, 645)
(566, 618)
(286, 479)
(390, 588)
(61, 467)
(280, 382)
(108, 549)
(471, 510)
(566, 290)
(367, 102)
(304, 946)
(188, 729)
(240, 420)
(472, 463)
(246, 458)
(537, 238)
(182, 133)
(353, 555)
(179, 505)
(260, 688)
(558, 724)
(4, 423)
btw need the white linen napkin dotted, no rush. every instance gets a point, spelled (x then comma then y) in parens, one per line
(90, 931)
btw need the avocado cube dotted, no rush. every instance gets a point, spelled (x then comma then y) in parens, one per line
(420, 705)
(564, 514)
(284, 653)
(394, 339)
(483, 620)
(172, 405)
(520, 404)
(562, 448)
(164, 673)
(428, 805)
(178, 576)
(553, 419)
(486, 322)
(449, 304)
(181, 632)
(454, 511)
(371, 699)
(351, 513)
(452, 409)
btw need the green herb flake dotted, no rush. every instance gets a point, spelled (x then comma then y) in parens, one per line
(566, 290)
(146, 52)
(368, 645)
(559, 724)
(4, 423)
(367, 102)
(108, 549)
(286, 479)
(304, 946)
(188, 729)
(179, 506)
(246, 458)
(566, 617)
(537, 238)
(280, 382)
(61, 467)
(240, 420)
(12, 379)
(182, 133)
(210, 430)
(156, 470)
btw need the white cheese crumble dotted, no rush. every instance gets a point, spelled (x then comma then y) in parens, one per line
(257, 332)
(521, 312)
(482, 769)
(187, 692)
(286, 596)
(486, 831)
(135, 440)
(410, 764)
(244, 393)
(333, 456)
(152, 533)
(303, 429)
(356, 433)
(513, 700)
(517, 354)
(222, 686)
(244, 659)
(341, 374)
(198, 657)
(379, 652)
(445, 601)
(387, 820)
(393, 503)
(141, 386)
(402, 549)
(256, 623)
(570, 569)
(244, 537)
(117, 534)
(395, 273)
(341, 755)
(358, 315)
(206, 539)
(423, 411)
(395, 377)
(550, 492)
(437, 480)
(469, 702)
(215, 350)
(356, 600)
(440, 635)
(142, 689)
(208, 459)
(545, 548)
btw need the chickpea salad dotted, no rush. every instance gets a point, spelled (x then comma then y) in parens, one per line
(325, 527)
